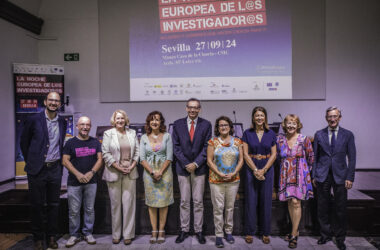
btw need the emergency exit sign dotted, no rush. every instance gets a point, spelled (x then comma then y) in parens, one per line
(70, 57)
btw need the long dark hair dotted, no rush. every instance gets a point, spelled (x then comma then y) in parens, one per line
(150, 118)
(262, 109)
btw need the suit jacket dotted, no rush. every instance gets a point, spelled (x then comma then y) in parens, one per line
(34, 142)
(111, 154)
(186, 151)
(336, 160)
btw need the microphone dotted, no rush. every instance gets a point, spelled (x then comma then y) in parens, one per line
(67, 100)
(279, 114)
(234, 115)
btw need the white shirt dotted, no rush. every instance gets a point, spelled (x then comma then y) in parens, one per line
(189, 123)
(330, 130)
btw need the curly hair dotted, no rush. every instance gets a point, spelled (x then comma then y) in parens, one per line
(223, 118)
(150, 118)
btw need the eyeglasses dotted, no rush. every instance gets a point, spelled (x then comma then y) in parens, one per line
(193, 107)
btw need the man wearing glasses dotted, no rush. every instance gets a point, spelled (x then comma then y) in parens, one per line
(332, 147)
(41, 145)
(190, 138)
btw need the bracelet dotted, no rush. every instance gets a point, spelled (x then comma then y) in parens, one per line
(255, 170)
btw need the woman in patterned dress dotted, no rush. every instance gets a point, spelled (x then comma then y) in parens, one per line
(296, 155)
(156, 155)
(225, 159)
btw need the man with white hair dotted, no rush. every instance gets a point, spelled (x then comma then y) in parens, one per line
(334, 167)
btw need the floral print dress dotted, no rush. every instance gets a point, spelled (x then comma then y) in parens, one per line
(296, 163)
(158, 193)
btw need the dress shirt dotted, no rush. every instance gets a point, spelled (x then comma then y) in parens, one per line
(189, 123)
(53, 132)
(336, 130)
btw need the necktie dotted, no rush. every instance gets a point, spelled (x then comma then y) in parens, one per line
(192, 131)
(333, 140)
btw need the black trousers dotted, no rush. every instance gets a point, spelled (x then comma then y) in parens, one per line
(44, 189)
(339, 208)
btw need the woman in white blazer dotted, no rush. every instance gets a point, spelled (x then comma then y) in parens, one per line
(120, 149)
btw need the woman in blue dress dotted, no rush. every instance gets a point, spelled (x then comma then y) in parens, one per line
(259, 149)
(156, 155)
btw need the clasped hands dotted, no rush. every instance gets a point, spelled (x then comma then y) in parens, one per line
(259, 174)
(227, 177)
(157, 176)
(191, 167)
(122, 169)
(84, 178)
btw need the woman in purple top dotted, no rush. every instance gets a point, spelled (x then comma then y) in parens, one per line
(259, 149)
(296, 155)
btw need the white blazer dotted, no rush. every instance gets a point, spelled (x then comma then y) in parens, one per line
(111, 154)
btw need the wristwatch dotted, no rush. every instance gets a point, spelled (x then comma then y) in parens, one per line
(152, 173)
(93, 172)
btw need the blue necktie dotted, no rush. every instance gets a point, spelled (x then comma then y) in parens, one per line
(333, 140)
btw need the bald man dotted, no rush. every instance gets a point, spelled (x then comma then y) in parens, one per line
(41, 145)
(82, 156)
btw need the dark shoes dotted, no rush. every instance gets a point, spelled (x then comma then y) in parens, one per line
(229, 238)
(38, 245)
(116, 241)
(201, 238)
(52, 243)
(323, 240)
(181, 237)
(340, 244)
(292, 241)
(219, 242)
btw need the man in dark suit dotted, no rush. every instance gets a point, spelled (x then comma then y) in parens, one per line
(332, 147)
(190, 138)
(41, 144)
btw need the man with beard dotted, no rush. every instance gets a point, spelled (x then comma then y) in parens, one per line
(41, 144)
(333, 146)
(82, 156)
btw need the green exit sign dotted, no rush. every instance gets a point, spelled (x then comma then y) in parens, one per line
(69, 57)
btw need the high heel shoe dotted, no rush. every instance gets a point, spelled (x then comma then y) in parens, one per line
(153, 239)
(293, 241)
(161, 239)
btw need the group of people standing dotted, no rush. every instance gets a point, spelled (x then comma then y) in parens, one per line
(197, 153)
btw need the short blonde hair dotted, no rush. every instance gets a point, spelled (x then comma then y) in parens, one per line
(113, 117)
(292, 117)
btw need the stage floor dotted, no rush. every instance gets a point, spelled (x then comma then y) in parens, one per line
(142, 242)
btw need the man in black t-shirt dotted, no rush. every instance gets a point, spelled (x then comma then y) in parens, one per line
(82, 156)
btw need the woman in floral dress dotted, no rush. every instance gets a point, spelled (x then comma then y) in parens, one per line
(296, 155)
(156, 155)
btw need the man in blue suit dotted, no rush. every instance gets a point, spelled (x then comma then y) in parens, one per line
(41, 144)
(190, 140)
(332, 147)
